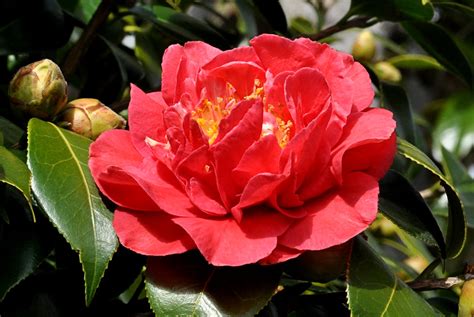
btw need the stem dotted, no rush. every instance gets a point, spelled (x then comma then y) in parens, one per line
(441, 283)
(361, 22)
(82, 45)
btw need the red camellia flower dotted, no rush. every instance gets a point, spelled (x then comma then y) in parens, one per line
(255, 154)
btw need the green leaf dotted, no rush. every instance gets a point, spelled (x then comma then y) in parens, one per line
(396, 99)
(148, 49)
(415, 61)
(464, 183)
(393, 10)
(458, 7)
(438, 43)
(374, 290)
(64, 188)
(186, 285)
(11, 132)
(457, 230)
(454, 128)
(23, 248)
(15, 173)
(405, 207)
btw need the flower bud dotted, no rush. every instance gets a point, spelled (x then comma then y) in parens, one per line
(387, 72)
(89, 118)
(466, 300)
(364, 46)
(38, 90)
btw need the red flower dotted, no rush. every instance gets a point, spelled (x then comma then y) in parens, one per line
(256, 154)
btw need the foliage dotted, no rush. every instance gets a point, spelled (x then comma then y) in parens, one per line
(60, 255)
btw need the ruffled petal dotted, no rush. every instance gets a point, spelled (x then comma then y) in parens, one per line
(111, 151)
(223, 241)
(150, 233)
(337, 217)
(372, 126)
(146, 119)
(279, 54)
(362, 93)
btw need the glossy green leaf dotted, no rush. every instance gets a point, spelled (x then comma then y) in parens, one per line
(454, 127)
(438, 43)
(415, 61)
(374, 290)
(186, 285)
(405, 207)
(15, 173)
(396, 99)
(148, 49)
(393, 10)
(463, 182)
(22, 248)
(11, 132)
(63, 186)
(457, 229)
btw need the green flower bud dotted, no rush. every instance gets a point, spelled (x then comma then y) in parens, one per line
(466, 300)
(387, 72)
(38, 90)
(363, 48)
(89, 117)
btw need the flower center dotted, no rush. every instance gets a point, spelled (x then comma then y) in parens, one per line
(209, 113)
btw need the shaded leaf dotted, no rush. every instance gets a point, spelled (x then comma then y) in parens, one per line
(23, 248)
(272, 11)
(186, 285)
(438, 43)
(396, 99)
(457, 230)
(14, 172)
(405, 207)
(374, 290)
(464, 183)
(393, 10)
(455, 6)
(11, 132)
(64, 188)
(415, 61)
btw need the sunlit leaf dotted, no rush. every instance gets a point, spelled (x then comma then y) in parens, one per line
(393, 10)
(457, 230)
(415, 61)
(63, 186)
(374, 290)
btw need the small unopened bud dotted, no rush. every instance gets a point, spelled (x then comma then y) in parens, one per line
(38, 90)
(387, 72)
(89, 118)
(466, 300)
(364, 46)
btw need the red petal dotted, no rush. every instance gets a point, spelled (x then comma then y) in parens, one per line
(337, 217)
(223, 241)
(112, 150)
(372, 126)
(150, 233)
(280, 254)
(279, 54)
(145, 119)
(181, 66)
(307, 95)
(363, 94)
(241, 54)
(229, 150)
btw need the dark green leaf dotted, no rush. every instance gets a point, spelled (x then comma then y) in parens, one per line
(42, 26)
(185, 285)
(11, 132)
(393, 10)
(396, 99)
(148, 50)
(436, 41)
(22, 248)
(457, 230)
(271, 10)
(246, 10)
(458, 7)
(374, 290)
(454, 127)
(415, 61)
(15, 173)
(463, 182)
(64, 188)
(405, 207)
